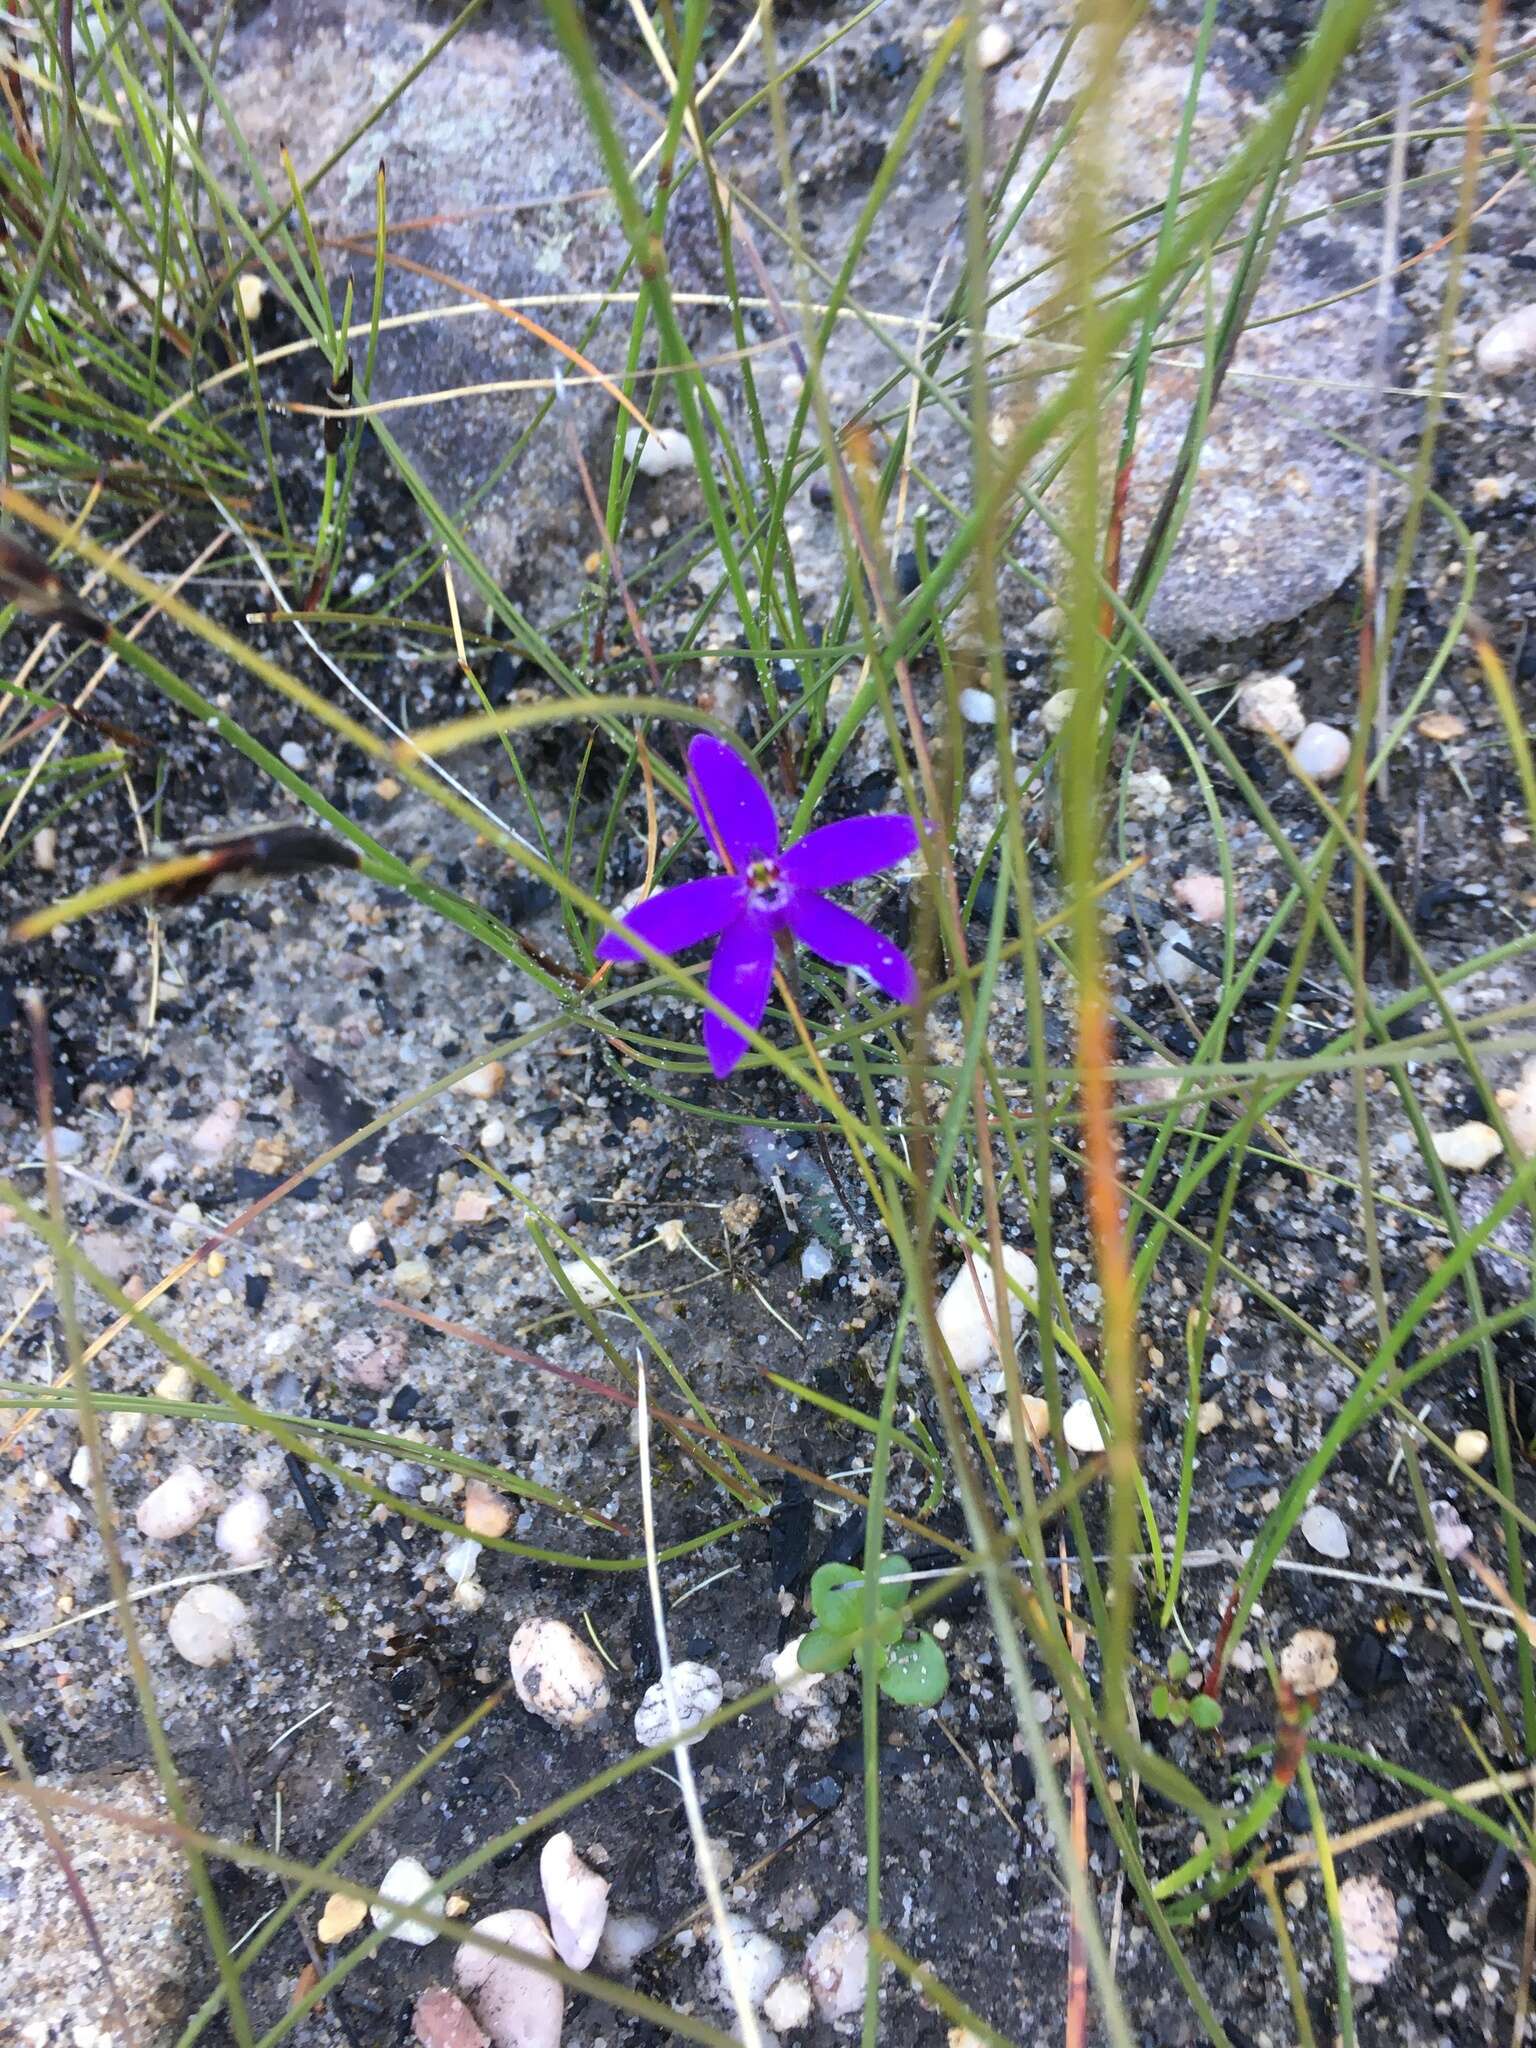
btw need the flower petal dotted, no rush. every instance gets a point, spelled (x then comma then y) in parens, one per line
(733, 806)
(847, 941)
(850, 849)
(674, 919)
(740, 975)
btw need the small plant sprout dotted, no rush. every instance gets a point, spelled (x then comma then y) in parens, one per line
(768, 890)
(1171, 1704)
(911, 1670)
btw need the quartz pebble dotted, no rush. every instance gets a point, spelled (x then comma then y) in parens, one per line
(799, 1689)
(978, 707)
(241, 1532)
(1509, 345)
(486, 1512)
(1451, 1532)
(1309, 1663)
(440, 2020)
(626, 1937)
(787, 2007)
(45, 849)
(1037, 1419)
(698, 1692)
(1080, 1427)
(405, 1883)
(209, 1625)
(1321, 752)
(576, 1898)
(968, 1319)
(837, 1967)
(484, 1084)
(1203, 896)
(218, 1130)
(1173, 962)
(1368, 1918)
(557, 1676)
(759, 1962)
(1471, 1446)
(994, 45)
(177, 1504)
(342, 1916)
(372, 1362)
(1325, 1532)
(1519, 1107)
(518, 2007)
(363, 1238)
(1468, 1148)
(588, 1279)
(664, 450)
(1269, 704)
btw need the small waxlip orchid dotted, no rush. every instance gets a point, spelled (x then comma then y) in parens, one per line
(769, 889)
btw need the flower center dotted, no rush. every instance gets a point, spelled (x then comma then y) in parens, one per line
(766, 881)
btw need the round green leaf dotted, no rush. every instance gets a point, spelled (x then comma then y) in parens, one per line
(1204, 1711)
(837, 1596)
(915, 1673)
(824, 1650)
(1160, 1702)
(895, 1587)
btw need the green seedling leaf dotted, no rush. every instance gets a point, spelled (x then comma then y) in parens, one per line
(915, 1673)
(837, 1597)
(895, 1587)
(1161, 1701)
(824, 1650)
(1178, 1667)
(1205, 1712)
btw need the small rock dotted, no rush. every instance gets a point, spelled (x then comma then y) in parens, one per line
(1368, 1665)
(665, 449)
(399, 1206)
(209, 1625)
(994, 45)
(251, 291)
(1047, 624)
(80, 1468)
(1325, 1532)
(816, 1262)
(577, 1901)
(1519, 1107)
(1209, 1416)
(1442, 726)
(1172, 961)
(484, 1084)
(218, 1130)
(241, 1532)
(1037, 1417)
(760, 1962)
(45, 850)
(472, 1205)
(1148, 794)
(363, 1238)
(518, 2007)
(177, 1504)
(799, 1689)
(376, 1363)
(1056, 710)
(626, 1937)
(1080, 1427)
(1368, 1918)
(1321, 752)
(1471, 1446)
(1509, 345)
(557, 1676)
(486, 1512)
(787, 2007)
(342, 1916)
(978, 707)
(837, 1967)
(1468, 1148)
(405, 1883)
(588, 1279)
(440, 2020)
(1451, 1532)
(1309, 1662)
(698, 1692)
(294, 754)
(1269, 704)
(1203, 896)
(968, 1319)
(460, 1560)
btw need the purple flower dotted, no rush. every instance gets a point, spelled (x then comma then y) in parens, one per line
(768, 889)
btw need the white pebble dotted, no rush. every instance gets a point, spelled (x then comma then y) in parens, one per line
(994, 45)
(666, 449)
(968, 1318)
(293, 754)
(1203, 896)
(589, 1286)
(1309, 1663)
(460, 1560)
(1451, 1532)
(837, 1967)
(787, 2007)
(45, 850)
(251, 292)
(1322, 751)
(177, 1504)
(1519, 1107)
(1080, 1427)
(1172, 960)
(978, 707)
(799, 1689)
(760, 1962)
(816, 1262)
(363, 1238)
(557, 1676)
(698, 1692)
(405, 1883)
(80, 1468)
(1269, 704)
(209, 1625)
(1368, 1918)
(576, 1899)
(241, 1532)
(1468, 1148)
(1148, 794)
(1325, 1532)
(626, 1938)
(1509, 346)
(1471, 1446)
(218, 1130)
(518, 2007)
(484, 1084)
